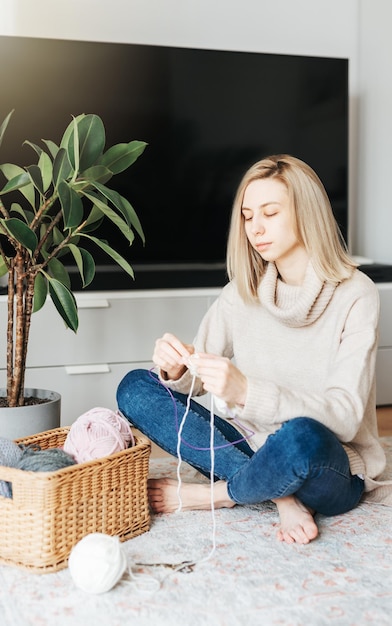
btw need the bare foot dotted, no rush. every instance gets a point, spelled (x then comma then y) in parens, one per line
(164, 498)
(297, 524)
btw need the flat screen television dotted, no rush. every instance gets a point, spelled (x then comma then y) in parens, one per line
(206, 115)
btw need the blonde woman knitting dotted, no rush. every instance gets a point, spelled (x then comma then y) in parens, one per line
(289, 347)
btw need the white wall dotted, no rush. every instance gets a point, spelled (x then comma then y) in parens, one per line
(356, 29)
(299, 26)
(374, 228)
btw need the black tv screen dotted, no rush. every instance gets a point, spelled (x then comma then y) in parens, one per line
(206, 115)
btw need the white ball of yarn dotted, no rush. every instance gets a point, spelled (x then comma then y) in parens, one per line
(97, 563)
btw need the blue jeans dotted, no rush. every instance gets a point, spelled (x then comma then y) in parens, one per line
(302, 457)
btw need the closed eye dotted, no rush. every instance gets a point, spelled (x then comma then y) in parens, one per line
(247, 215)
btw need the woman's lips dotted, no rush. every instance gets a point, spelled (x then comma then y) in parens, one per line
(263, 246)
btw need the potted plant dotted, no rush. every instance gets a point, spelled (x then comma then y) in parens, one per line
(61, 201)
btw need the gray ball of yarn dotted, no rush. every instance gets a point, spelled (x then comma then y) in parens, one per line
(10, 454)
(49, 460)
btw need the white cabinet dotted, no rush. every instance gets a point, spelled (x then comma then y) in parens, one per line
(82, 390)
(117, 332)
(384, 354)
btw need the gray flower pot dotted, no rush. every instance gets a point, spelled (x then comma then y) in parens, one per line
(23, 421)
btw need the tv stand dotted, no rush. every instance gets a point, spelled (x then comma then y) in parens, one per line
(378, 272)
(156, 276)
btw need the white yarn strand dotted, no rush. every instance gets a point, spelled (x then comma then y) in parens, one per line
(212, 471)
(182, 424)
(97, 562)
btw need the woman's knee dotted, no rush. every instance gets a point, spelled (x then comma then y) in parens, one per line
(131, 389)
(133, 376)
(305, 437)
(131, 381)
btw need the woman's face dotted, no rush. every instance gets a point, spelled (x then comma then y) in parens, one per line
(269, 222)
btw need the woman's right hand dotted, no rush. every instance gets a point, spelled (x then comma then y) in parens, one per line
(170, 354)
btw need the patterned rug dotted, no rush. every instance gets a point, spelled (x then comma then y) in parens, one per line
(344, 578)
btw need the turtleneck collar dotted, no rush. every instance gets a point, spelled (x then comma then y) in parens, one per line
(294, 305)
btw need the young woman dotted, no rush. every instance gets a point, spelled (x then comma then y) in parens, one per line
(288, 349)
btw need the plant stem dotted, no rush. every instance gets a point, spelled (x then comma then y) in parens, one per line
(16, 397)
(35, 222)
(10, 332)
(3, 210)
(28, 311)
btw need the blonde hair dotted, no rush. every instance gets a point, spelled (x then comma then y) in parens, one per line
(316, 226)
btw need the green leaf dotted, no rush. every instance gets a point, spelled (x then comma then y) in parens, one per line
(58, 236)
(121, 156)
(27, 215)
(3, 267)
(52, 147)
(11, 171)
(71, 205)
(48, 242)
(85, 263)
(97, 173)
(21, 232)
(62, 168)
(112, 253)
(133, 218)
(94, 220)
(74, 149)
(91, 132)
(36, 148)
(122, 205)
(40, 292)
(65, 303)
(36, 178)
(121, 224)
(4, 125)
(45, 165)
(17, 182)
(69, 130)
(57, 270)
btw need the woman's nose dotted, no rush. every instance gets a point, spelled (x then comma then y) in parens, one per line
(258, 226)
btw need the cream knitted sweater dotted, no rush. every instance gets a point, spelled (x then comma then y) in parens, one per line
(306, 351)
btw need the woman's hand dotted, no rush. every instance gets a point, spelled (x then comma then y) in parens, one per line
(220, 377)
(171, 356)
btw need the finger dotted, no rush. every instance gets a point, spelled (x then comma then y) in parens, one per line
(181, 348)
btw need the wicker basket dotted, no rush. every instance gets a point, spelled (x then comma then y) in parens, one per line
(51, 511)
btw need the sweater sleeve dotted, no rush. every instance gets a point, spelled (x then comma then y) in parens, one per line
(214, 336)
(342, 402)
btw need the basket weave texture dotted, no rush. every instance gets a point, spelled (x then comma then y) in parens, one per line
(51, 511)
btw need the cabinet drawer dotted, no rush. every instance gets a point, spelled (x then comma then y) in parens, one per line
(110, 330)
(80, 391)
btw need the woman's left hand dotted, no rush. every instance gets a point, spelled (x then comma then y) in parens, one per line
(220, 377)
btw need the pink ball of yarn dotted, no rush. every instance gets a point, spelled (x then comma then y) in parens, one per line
(98, 433)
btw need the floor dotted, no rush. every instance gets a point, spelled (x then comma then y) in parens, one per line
(384, 419)
(341, 579)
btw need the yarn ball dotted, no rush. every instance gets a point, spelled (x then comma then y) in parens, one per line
(10, 454)
(98, 433)
(35, 460)
(97, 563)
